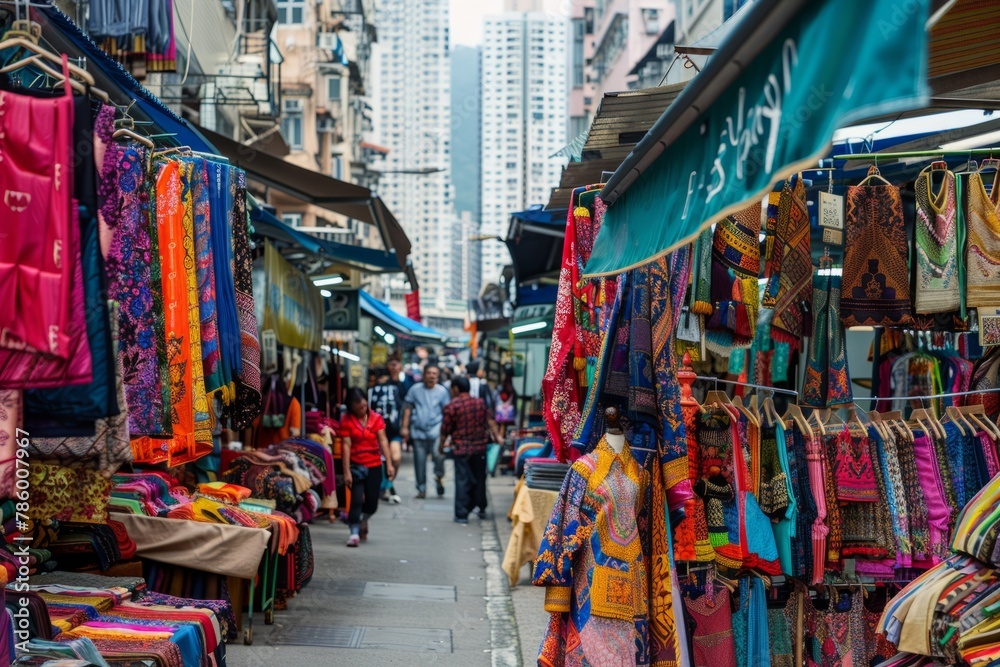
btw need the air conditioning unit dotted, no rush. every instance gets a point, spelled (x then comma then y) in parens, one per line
(328, 41)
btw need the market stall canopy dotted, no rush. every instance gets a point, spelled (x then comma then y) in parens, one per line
(329, 254)
(353, 201)
(622, 119)
(535, 241)
(399, 323)
(765, 106)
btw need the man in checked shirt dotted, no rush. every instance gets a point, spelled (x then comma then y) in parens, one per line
(469, 427)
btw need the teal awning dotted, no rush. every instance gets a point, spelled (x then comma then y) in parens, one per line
(767, 104)
(381, 311)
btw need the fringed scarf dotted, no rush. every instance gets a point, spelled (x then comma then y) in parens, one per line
(876, 272)
(792, 283)
(574, 352)
(247, 405)
(735, 267)
(772, 251)
(208, 314)
(937, 245)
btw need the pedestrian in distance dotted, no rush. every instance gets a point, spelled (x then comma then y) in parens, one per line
(422, 426)
(365, 445)
(386, 398)
(466, 429)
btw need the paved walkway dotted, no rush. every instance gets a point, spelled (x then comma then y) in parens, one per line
(421, 591)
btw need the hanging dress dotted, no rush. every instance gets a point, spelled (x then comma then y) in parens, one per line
(982, 255)
(876, 271)
(936, 238)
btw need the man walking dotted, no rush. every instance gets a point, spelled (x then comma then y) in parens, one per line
(422, 424)
(468, 427)
(386, 398)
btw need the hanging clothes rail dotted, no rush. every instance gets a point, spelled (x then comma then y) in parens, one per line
(904, 154)
(928, 397)
(708, 378)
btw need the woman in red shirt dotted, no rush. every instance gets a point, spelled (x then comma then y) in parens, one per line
(365, 444)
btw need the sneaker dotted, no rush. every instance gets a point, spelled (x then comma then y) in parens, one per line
(440, 485)
(384, 496)
(353, 541)
(421, 495)
(395, 500)
(364, 530)
(462, 521)
(482, 514)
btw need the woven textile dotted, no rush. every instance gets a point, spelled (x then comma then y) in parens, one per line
(735, 267)
(876, 273)
(937, 245)
(794, 269)
(827, 381)
(983, 250)
(703, 272)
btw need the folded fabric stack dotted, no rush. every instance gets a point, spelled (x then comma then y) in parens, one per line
(545, 474)
(950, 612)
(91, 616)
(150, 493)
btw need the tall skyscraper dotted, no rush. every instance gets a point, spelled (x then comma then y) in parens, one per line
(525, 114)
(412, 95)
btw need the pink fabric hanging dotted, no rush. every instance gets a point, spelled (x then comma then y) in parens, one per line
(11, 418)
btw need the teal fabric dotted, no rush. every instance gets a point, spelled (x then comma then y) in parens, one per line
(833, 64)
(784, 530)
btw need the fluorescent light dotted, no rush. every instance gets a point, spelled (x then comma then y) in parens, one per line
(390, 339)
(379, 330)
(978, 141)
(333, 280)
(325, 292)
(524, 328)
(325, 348)
(348, 356)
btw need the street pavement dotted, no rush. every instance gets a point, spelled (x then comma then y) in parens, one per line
(422, 590)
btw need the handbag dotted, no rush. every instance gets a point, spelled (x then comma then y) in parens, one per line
(270, 418)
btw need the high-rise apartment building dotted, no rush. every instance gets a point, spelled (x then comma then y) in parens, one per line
(412, 94)
(525, 111)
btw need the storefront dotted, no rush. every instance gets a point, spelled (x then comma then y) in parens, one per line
(786, 534)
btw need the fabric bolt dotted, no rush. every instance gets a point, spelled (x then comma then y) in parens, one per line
(735, 268)
(876, 271)
(794, 280)
(133, 267)
(591, 563)
(68, 494)
(936, 241)
(982, 253)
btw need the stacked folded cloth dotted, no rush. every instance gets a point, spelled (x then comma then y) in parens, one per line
(545, 474)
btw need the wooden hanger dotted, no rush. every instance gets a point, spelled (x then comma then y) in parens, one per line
(875, 418)
(856, 420)
(874, 174)
(794, 413)
(750, 412)
(895, 419)
(769, 412)
(955, 416)
(977, 413)
(816, 420)
(925, 420)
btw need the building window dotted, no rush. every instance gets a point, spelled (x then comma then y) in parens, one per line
(578, 35)
(292, 219)
(333, 88)
(730, 7)
(291, 11)
(337, 167)
(651, 20)
(291, 122)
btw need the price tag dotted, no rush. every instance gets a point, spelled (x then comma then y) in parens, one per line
(831, 211)
(833, 237)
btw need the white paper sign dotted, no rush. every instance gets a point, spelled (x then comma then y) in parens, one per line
(831, 211)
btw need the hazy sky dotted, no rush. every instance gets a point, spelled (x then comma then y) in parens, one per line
(467, 19)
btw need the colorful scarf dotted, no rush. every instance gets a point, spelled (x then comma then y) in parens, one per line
(771, 257)
(793, 280)
(211, 355)
(937, 245)
(876, 273)
(247, 406)
(983, 250)
(735, 267)
(703, 274)
(569, 369)
(220, 208)
(828, 381)
(133, 267)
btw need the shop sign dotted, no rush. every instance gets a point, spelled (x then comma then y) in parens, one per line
(293, 307)
(342, 310)
(536, 312)
(833, 64)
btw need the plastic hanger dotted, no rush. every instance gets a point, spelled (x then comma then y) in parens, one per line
(20, 40)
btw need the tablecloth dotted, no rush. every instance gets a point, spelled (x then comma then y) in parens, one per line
(529, 515)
